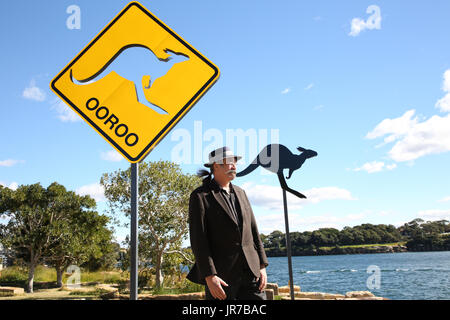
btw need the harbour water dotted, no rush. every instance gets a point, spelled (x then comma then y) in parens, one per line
(397, 276)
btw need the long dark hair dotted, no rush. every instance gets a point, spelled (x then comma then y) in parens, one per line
(205, 175)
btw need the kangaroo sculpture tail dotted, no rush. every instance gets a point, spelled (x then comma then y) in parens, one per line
(247, 170)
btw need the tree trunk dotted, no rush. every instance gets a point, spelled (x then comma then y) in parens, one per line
(59, 274)
(158, 272)
(30, 281)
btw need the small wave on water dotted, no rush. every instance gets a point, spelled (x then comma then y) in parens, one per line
(409, 270)
(382, 270)
(346, 270)
(326, 271)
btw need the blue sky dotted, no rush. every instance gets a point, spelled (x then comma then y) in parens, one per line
(367, 89)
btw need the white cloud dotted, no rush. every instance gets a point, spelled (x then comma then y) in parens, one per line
(357, 26)
(371, 167)
(431, 136)
(319, 107)
(316, 195)
(95, 190)
(112, 155)
(271, 197)
(446, 199)
(434, 214)
(396, 127)
(32, 92)
(13, 185)
(413, 138)
(391, 166)
(373, 22)
(375, 166)
(309, 86)
(444, 103)
(9, 162)
(65, 114)
(285, 91)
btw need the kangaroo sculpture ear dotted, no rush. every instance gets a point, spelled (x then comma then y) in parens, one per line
(301, 149)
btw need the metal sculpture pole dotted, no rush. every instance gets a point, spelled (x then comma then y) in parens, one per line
(134, 232)
(276, 158)
(288, 246)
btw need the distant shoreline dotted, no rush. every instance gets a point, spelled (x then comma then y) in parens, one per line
(366, 249)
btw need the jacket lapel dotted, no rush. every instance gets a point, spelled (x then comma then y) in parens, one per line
(241, 199)
(219, 198)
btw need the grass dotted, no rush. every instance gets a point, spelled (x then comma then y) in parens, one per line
(102, 277)
(45, 278)
(19, 276)
(96, 292)
(179, 288)
(367, 245)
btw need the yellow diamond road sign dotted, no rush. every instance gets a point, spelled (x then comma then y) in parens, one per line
(110, 103)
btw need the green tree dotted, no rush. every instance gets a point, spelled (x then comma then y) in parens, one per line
(330, 236)
(346, 236)
(39, 220)
(163, 207)
(276, 239)
(412, 229)
(86, 237)
(106, 256)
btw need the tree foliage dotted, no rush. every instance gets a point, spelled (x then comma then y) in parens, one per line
(50, 224)
(418, 235)
(163, 207)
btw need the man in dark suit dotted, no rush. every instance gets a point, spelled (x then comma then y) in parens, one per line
(229, 255)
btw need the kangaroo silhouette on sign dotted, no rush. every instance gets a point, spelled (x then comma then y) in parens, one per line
(276, 158)
(144, 59)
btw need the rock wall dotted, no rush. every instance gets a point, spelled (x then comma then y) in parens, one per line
(272, 291)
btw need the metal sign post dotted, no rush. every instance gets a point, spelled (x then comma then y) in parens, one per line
(288, 246)
(134, 231)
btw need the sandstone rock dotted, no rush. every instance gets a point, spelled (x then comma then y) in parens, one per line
(372, 298)
(107, 287)
(289, 298)
(318, 296)
(184, 296)
(269, 294)
(274, 287)
(287, 289)
(10, 291)
(359, 294)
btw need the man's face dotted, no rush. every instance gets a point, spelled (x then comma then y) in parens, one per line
(225, 171)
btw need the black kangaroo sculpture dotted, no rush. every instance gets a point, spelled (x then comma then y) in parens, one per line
(276, 158)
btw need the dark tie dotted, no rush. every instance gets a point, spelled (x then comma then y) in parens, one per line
(231, 202)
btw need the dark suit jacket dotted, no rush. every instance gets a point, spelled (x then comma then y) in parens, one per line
(216, 240)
